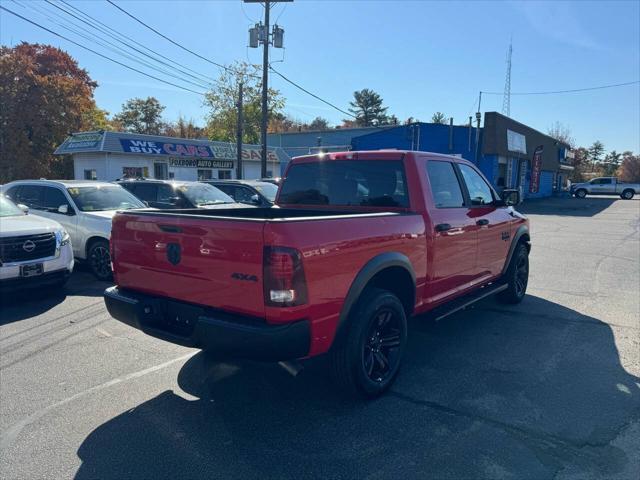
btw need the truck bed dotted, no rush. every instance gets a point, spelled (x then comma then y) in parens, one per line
(265, 214)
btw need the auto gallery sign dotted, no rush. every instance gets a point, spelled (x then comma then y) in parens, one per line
(165, 148)
(199, 162)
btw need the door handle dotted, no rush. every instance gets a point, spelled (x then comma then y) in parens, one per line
(482, 221)
(443, 227)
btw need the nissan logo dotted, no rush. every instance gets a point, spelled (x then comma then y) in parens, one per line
(28, 246)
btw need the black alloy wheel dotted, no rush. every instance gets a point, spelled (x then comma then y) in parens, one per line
(100, 260)
(381, 352)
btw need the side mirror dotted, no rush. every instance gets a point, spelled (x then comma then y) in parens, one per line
(510, 197)
(255, 199)
(63, 209)
(23, 207)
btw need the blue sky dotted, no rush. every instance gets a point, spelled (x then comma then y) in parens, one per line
(421, 56)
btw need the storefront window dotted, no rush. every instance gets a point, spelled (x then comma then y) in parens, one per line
(224, 174)
(205, 175)
(160, 171)
(135, 172)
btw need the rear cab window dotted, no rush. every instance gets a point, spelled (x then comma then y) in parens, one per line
(363, 183)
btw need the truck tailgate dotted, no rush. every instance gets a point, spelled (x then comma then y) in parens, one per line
(210, 262)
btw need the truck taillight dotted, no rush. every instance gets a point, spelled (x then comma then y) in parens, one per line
(284, 282)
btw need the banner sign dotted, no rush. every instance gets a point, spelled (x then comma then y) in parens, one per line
(199, 163)
(161, 148)
(516, 142)
(229, 151)
(82, 141)
(226, 152)
(536, 168)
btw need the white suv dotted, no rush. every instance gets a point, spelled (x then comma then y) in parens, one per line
(34, 251)
(84, 208)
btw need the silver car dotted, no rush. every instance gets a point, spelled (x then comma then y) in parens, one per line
(83, 208)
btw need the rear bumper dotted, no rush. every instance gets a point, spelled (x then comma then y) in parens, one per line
(196, 326)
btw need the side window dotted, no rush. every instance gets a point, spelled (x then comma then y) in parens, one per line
(479, 191)
(445, 188)
(605, 181)
(31, 196)
(146, 192)
(53, 199)
(166, 193)
(243, 195)
(12, 193)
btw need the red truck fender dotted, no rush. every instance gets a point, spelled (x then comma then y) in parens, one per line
(390, 271)
(521, 235)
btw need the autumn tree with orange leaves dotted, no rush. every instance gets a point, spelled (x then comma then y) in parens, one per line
(44, 96)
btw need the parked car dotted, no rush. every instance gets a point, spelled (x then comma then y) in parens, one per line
(605, 186)
(252, 192)
(168, 194)
(34, 251)
(360, 242)
(83, 207)
(275, 180)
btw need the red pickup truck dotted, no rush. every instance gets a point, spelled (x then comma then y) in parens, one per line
(357, 242)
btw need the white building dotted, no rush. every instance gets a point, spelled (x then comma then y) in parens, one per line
(109, 156)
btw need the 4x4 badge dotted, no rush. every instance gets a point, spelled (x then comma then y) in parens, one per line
(173, 253)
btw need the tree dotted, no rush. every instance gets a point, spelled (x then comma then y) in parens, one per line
(223, 109)
(44, 96)
(595, 152)
(393, 120)
(629, 168)
(562, 133)
(183, 128)
(367, 108)
(98, 119)
(580, 161)
(611, 163)
(319, 123)
(439, 117)
(140, 115)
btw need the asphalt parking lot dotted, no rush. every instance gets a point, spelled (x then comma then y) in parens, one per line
(546, 389)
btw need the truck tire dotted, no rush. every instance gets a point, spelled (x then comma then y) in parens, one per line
(517, 276)
(99, 260)
(365, 360)
(627, 194)
(581, 193)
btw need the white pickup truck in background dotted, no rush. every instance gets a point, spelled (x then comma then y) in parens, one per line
(605, 186)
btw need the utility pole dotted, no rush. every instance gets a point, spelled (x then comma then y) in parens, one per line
(260, 33)
(239, 134)
(478, 118)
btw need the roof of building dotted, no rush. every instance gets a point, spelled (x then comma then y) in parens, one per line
(116, 142)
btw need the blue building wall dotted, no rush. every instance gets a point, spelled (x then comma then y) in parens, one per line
(545, 188)
(303, 143)
(428, 137)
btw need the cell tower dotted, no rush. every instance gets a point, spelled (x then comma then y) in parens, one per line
(506, 99)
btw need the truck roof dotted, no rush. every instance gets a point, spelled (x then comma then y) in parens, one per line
(383, 154)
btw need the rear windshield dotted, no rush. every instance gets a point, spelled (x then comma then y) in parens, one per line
(376, 183)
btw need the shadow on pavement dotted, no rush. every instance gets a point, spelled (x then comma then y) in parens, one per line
(27, 303)
(526, 391)
(568, 206)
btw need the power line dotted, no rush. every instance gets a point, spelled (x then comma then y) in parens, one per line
(224, 67)
(566, 91)
(101, 41)
(308, 92)
(119, 35)
(98, 53)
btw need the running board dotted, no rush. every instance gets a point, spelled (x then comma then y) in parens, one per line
(463, 302)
